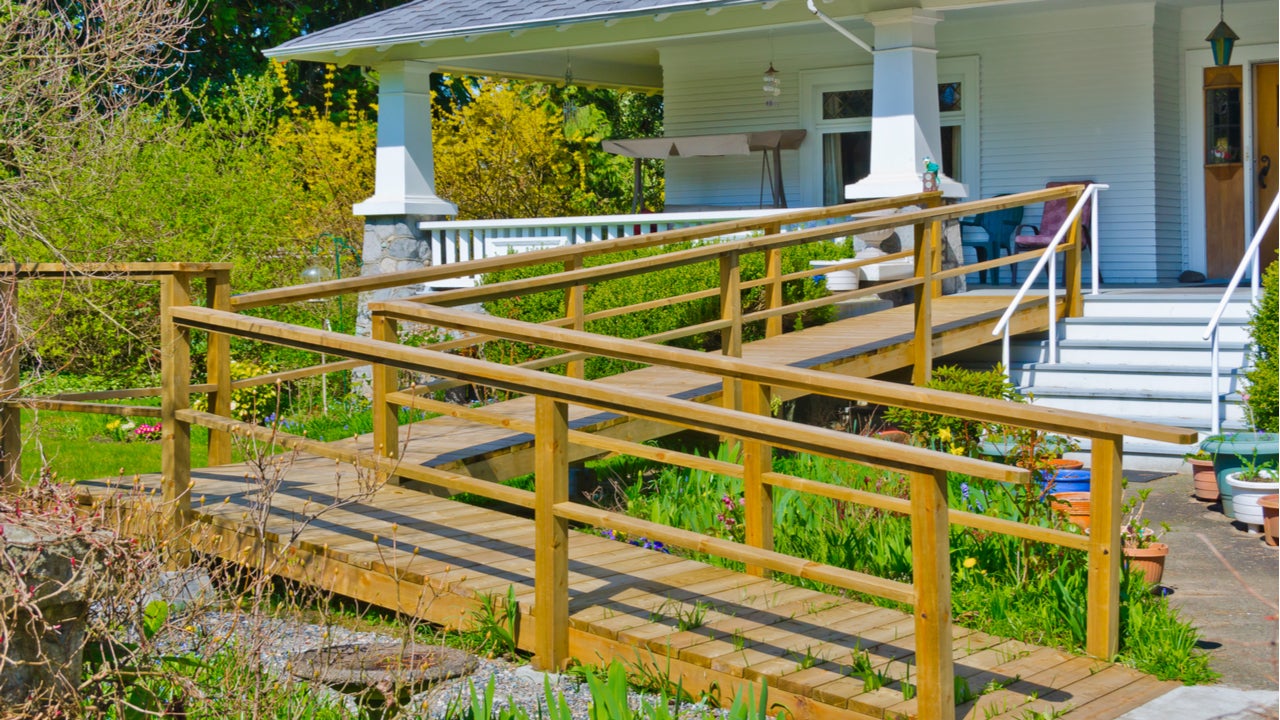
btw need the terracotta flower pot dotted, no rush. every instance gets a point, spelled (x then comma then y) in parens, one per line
(1075, 505)
(1206, 481)
(894, 436)
(1066, 464)
(1148, 560)
(1270, 505)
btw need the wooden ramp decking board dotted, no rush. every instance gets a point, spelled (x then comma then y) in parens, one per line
(435, 558)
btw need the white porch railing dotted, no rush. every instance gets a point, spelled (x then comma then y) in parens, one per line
(1250, 258)
(455, 241)
(1050, 257)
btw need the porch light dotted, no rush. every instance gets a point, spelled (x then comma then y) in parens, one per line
(1221, 40)
(772, 86)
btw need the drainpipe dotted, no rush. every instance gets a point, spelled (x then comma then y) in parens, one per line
(838, 27)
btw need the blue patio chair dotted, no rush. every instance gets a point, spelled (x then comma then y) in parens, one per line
(998, 226)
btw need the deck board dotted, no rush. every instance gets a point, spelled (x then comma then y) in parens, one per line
(437, 557)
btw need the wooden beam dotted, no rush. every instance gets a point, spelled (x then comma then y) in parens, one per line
(386, 415)
(922, 345)
(10, 416)
(731, 313)
(931, 581)
(37, 403)
(109, 271)
(218, 367)
(757, 461)
(773, 277)
(551, 552)
(574, 312)
(1105, 494)
(175, 433)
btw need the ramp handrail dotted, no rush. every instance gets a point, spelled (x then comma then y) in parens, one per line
(1050, 257)
(1250, 258)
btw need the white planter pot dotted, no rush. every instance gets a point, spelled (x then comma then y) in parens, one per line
(838, 280)
(1247, 494)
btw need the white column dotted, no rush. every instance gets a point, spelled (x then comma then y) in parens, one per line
(405, 176)
(904, 107)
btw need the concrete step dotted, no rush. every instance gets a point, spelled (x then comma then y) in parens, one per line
(1156, 380)
(1169, 305)
(1107, 352)
(1144, 329)
(1139, 403)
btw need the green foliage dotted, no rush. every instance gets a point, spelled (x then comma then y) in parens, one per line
(254, 403)
(1008, 586)
(495, 624)
(946, 433)
(1262, 402)
(659, 284)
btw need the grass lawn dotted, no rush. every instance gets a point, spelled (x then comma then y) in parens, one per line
(78, 446)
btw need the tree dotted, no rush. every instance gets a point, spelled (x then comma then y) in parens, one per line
(70, 73)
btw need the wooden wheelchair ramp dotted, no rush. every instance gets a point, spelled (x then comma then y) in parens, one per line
(711, 629)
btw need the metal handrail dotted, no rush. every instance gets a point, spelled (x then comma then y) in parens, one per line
(1050, 257)
(1250, 258)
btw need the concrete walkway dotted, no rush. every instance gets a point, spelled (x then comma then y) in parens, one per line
(1227, 583)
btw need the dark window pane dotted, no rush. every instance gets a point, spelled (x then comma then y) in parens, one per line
(846, 104)
(948, 97)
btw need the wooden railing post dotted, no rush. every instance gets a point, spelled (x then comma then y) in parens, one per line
(931, 580)
(922, 346)
(10, 415)
(575, 310)
(757, 459)
(1071, 270)
(175, 434)
(218, 367)
(731, 310)
(386, 415)
(551, 546)
(1102, 634)
(773, 291)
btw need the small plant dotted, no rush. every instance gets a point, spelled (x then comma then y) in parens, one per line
(497, 630)
(1199, 454)
(1136, 530)
(1257, 472)
(963, 692)
(147, 432)
(950, 434)
(908, 687)
(1262, 406)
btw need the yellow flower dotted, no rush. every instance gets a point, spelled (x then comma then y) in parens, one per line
(970, 563)
(956, 450)
(944, 435)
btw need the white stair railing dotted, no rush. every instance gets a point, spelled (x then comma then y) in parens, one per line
(1050, 257)
(1249, 259)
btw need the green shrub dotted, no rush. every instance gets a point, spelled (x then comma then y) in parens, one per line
(953, 434)
(670, 282)
(1261, 404)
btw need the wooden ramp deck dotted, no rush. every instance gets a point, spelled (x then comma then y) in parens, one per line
(434, 557)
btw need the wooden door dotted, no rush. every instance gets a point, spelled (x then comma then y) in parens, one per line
(1267, 155)
(1224, 176)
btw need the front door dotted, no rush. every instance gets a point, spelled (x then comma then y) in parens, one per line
(1266, 173)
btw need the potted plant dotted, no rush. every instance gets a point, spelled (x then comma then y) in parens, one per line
(1250, 484)
(1142, 549)
(1205, 480)
(839, 280)
(1270, 505)
(1075, 505)
(1231, 452)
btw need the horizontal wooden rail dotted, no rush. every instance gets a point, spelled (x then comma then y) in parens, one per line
(653, 407)
(331, 288)
(735, 470)
(109, 271)
(370, 461)
(799, 567)
(39, 403)
(875, 391)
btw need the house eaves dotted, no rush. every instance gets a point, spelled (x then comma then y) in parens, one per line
(425, 21)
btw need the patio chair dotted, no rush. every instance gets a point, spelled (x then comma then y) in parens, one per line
(1055, 214)
(998, 226)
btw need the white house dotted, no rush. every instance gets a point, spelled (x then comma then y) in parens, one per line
(1007, 94)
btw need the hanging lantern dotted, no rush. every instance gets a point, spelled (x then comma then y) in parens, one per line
(772, 86)
(1222, 39)
(570, 108)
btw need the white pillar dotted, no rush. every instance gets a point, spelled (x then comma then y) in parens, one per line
(904, 107)
(405, 176)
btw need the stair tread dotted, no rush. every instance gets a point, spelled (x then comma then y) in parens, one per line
(1148, 320)
(1122, 368)
(1055, 391)
(1140, 344)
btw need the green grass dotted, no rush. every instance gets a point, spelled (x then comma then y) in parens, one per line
(78, 446)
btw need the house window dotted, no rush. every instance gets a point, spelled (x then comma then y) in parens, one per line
(846, 137)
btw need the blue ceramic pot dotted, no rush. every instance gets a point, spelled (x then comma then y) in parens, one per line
(1066, 481)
